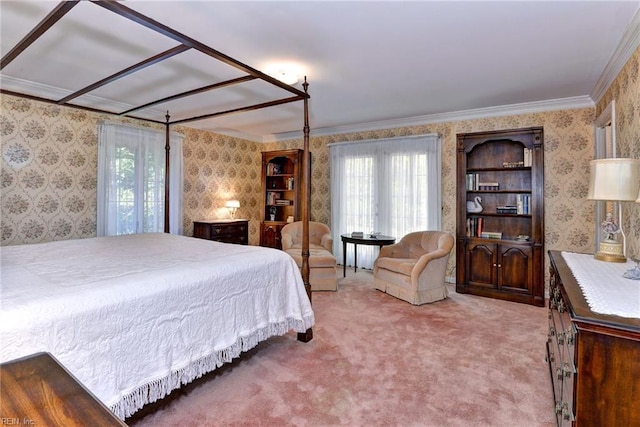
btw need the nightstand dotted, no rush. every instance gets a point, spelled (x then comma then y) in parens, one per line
(223, 230)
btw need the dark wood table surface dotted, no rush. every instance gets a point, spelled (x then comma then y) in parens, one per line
(378, 240)
(37, 390)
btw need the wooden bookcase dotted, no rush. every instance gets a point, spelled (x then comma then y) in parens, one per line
(281, 193)
(500, 249)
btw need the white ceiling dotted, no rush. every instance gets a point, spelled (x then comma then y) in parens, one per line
(369, 64)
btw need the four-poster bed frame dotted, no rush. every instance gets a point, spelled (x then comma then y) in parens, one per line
(185, 44)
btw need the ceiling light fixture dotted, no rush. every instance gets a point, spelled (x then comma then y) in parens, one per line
(286, 73)
(288, 77)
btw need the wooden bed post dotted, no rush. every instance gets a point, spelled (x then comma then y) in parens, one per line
(167, 149)
(306, 205)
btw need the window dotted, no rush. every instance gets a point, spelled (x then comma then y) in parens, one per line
(390, 186)
(131, 180)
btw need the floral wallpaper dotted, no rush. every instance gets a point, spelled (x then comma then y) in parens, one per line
(218, 168)
(625, 90)
(49, 163)
(49, 158)
(49, 169)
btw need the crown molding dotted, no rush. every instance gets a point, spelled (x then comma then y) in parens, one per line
(627, 46)
(570, 103)
(51, 92)
(235, 134)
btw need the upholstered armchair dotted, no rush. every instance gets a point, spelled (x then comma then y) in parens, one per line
(414, 268)
(322, 263)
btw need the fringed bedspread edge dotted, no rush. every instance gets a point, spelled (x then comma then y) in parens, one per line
(154, 390)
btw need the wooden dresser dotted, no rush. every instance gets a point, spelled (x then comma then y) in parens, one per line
(37, 390)
(594, 359)
(223, 230)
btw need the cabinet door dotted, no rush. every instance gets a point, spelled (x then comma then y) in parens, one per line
(515, 269)
(270, 235)
(481, 264)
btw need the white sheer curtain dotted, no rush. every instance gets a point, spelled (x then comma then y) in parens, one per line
(391, 186)
(131, 180)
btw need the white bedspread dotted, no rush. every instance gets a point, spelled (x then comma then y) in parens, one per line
(134, 317)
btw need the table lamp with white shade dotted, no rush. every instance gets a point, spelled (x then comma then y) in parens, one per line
(613, 180)
(233, 206)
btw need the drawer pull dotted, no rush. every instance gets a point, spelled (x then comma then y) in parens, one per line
(566, 369)
(570, 337)
(558, 407)
(559, 373)
(565, 411)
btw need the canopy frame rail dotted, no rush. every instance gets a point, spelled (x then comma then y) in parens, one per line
(47, 22)
(185, 43)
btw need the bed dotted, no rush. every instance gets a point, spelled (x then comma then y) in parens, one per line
(134, 317)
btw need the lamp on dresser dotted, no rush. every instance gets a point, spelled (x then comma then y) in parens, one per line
(233, 206)
(614, 181)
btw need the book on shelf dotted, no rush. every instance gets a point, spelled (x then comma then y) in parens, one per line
(283, 202)
(472, 181)
(491, 235)
(488, 186)
(272, 196)
(507, 209)
(523, 203)
(528, 157)
(474, 227)
(518, 164)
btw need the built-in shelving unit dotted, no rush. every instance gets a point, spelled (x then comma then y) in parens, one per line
(281, 190)
(499, 228)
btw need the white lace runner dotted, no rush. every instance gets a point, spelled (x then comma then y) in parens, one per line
(603, 285)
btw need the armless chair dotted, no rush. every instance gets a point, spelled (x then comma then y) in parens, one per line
(322, 263)
(414, 268)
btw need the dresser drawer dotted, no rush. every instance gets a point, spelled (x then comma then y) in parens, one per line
(235, 231)
(222, 231)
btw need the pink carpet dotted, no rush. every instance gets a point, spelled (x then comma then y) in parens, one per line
(379, 361)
